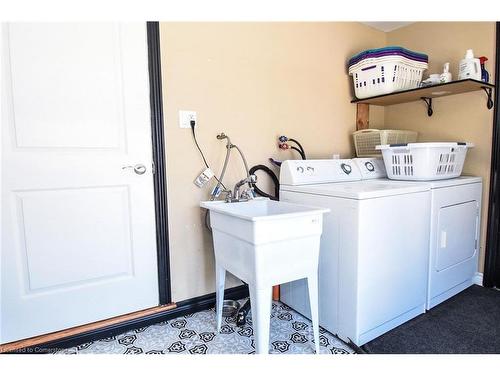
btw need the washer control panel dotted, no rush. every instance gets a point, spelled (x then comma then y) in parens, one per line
(304, 172)
(370, 168)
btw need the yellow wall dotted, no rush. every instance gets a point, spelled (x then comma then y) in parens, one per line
(456, 118)
(253, 81)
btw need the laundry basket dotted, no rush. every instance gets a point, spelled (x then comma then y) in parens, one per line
(366, 140)
(381, 76)
(386, 70)
(424, 161)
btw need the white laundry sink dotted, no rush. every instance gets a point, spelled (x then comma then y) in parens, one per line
(265, 240)
(266, 243)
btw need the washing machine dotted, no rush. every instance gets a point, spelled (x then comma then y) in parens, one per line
(374, 249)
(454, 221)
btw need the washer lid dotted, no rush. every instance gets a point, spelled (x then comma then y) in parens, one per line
(365, 189)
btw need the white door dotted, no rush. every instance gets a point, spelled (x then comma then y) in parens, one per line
(78, 230)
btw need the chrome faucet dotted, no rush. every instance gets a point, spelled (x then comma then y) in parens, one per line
(247, 194)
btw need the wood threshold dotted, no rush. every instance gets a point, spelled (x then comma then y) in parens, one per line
(42, 339)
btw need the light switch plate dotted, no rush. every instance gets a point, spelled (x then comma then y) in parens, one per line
(185, 118)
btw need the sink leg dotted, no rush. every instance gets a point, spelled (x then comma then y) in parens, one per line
(220, 279)
(312, 286)
(260, 302)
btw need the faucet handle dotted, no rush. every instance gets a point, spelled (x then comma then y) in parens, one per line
(248, 194)
(252, 179)
(229, 195)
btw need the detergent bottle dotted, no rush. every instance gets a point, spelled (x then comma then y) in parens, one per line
(469, 67)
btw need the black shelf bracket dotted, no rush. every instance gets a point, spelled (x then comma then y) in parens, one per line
(489, 92)
(428, 101)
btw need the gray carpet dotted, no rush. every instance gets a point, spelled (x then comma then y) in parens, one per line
(466, 323)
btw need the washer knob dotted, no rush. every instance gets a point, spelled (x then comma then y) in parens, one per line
(369, 166)
(346, 168)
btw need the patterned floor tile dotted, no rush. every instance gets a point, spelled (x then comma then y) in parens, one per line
(291, 333)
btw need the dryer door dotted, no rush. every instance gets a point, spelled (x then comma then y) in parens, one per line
(457, 234)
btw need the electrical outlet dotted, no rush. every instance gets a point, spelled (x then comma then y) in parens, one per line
(185, 118)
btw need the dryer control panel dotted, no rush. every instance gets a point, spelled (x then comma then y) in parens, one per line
(305, 172)
(370, 168)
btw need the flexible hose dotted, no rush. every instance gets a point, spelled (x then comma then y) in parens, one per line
(303, 153)
(273, 176)
(275, 162)
(244, 162)
(226, 161)
(207, 224)
(221, 177)
(285, 146)
(229, 146)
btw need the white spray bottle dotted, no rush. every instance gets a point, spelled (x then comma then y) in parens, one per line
(469, 67)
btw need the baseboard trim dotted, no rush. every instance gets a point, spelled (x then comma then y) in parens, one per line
(35, 341)
(182, 308)
(478, 279)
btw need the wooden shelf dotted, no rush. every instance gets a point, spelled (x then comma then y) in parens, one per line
(430, 92)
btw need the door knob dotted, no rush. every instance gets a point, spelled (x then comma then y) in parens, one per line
(138, 168)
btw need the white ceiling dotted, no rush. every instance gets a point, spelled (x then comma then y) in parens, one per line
(387, 26)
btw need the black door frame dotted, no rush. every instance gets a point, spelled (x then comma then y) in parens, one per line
(491, 276)
(159, 175)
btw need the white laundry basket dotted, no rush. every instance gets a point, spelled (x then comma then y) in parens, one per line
(366, 140)
(379, 76)
(424, 161)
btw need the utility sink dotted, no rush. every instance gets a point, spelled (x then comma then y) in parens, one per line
(264, 239)
(266, 243)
